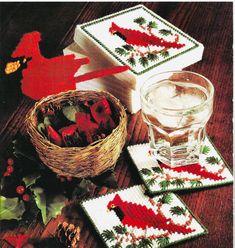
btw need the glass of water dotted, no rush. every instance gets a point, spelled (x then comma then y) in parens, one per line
(176, 107)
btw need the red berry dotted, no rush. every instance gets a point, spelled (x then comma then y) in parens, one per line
(6, 174)
(10, 169)
(10, 161)
(20, 189)
(26, 197)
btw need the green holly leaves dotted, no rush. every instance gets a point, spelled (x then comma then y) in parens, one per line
(140, 20)
(120, 229)
(165, 32)
(178, 210)
(11, 208)
(163, 241)
(166, 198)
(121, 51)
(212, 160)
(108, 235)
(205, 150)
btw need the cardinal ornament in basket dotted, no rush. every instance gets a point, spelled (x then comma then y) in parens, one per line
(76, 124)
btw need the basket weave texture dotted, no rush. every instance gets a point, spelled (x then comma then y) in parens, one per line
(79, 162)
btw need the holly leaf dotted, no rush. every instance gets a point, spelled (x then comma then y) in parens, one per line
(128, 47)
(55, 206)
(70, 112)
(212, 160)
(177, 210)
(165, 32)
(164, 184)
(146, 172)
(11, 208)
(152, 56)
(164, 54)
(120, 229)
(131, 61)
(144, 61)
(40, 199)
(163, 241)
(121, 51)
(50, 206)
(205, 150)
(146, 243)
(152, 24)
(107, 179)
(179, 183)
(166, 198)
(196, 183)
(108, 235)
(157, 170)
(140, 20)
(150, 182)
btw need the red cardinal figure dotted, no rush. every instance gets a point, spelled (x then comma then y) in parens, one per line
(43, 76)
(138, 38)
(136, 215)
(195, 169)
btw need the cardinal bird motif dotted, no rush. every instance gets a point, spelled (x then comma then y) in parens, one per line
(195, 169)
(43, 76)
(136, 215)
(138, 38)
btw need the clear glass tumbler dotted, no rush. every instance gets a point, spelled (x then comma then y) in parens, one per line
(176, 107)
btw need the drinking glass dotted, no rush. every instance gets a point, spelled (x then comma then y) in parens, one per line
(176, 106)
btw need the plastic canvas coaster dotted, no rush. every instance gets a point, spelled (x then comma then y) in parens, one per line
(129, 218)
(211, 171)
(141, 39)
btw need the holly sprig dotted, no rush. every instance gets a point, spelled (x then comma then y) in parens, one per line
(25, 193)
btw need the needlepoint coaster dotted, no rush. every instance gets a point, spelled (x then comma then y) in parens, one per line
(129, 218)
(211, 170)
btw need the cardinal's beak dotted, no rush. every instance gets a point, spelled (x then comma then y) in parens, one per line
(107, 210)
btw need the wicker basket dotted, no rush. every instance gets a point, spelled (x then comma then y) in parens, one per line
(79, 162)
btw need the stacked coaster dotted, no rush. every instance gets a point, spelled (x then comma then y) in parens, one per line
(211, 170)
(136, 37)
(129, 218)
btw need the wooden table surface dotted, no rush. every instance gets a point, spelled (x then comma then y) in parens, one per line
(209, 23)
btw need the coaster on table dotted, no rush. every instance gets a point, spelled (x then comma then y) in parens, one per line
(129, 218)
(211, 171)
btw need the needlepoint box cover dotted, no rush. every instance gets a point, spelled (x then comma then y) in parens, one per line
(141, 39)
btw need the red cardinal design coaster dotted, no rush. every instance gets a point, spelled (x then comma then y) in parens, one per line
(141, 39)
(211, 171)
(129, 218)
